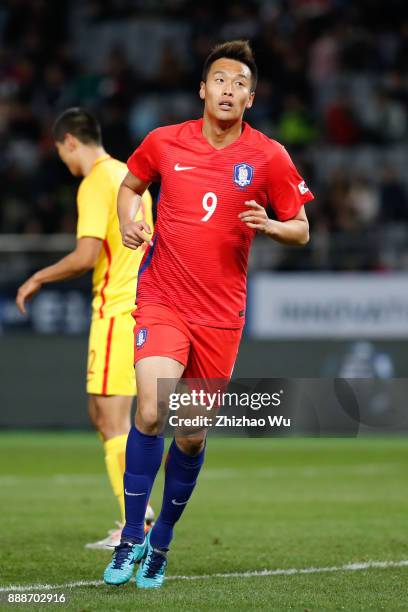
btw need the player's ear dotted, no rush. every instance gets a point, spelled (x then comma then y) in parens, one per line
(202, 90)
(250, 100)
(70, 142)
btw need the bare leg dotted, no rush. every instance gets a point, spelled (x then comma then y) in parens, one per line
(111, 418)
(153, 398)
(110, 414)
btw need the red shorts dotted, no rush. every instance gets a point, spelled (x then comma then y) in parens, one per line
(206, 352)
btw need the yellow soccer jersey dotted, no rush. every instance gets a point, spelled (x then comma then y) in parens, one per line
(115, 273)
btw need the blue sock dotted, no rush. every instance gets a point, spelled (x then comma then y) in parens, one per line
(181, 475)
(143, 458)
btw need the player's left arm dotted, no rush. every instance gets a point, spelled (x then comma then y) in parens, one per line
(76, 263)
(287, 193)
(293, 231)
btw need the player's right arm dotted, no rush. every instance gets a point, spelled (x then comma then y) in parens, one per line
(143, 167)
(76, 263)
(134, 233)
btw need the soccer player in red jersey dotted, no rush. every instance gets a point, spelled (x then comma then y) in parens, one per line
(217, 176)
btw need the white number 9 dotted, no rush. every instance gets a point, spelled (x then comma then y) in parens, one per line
(210, 208)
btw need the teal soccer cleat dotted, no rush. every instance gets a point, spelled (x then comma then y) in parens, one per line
(150, 574)
(120, 569)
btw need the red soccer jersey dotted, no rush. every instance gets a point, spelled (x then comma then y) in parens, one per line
(199, 258)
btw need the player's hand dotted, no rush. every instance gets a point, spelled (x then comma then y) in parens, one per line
(255, 217)
(135, 233)
(26, 292)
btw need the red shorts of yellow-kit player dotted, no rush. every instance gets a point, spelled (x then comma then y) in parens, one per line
(206, 352)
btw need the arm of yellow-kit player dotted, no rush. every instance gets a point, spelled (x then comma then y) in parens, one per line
(82, 259)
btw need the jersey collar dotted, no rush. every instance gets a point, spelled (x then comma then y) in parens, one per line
(243, 137)
(100, 159)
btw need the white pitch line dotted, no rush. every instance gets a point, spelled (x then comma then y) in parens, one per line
(349, 567)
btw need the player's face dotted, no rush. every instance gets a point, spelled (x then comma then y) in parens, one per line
(227, 90)
(68, 153)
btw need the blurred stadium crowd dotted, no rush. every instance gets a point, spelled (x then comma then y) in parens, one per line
(333, 88)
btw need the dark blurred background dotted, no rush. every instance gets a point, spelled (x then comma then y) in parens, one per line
(333, 89)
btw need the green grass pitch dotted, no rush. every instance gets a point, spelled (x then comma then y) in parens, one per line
(260, 504)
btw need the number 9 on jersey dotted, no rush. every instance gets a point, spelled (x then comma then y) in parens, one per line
(209, 204)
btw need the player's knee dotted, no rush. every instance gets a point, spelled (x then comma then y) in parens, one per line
(148, 420)
(102, 427)
(102, 424)
(151, 415)
(191, 446)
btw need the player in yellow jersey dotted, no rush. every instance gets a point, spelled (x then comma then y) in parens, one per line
(110, 376)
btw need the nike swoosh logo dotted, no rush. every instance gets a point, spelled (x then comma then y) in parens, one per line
(177, 167)
(176, 503)
(134, 494)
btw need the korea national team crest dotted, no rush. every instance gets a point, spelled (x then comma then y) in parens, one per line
(243, 175)
(141, 337)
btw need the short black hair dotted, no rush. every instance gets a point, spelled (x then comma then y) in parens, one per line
(80, 123)
(239, 50)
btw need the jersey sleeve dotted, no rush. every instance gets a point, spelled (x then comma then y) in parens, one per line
(93, 209)
(287, 191)
(144, 161)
